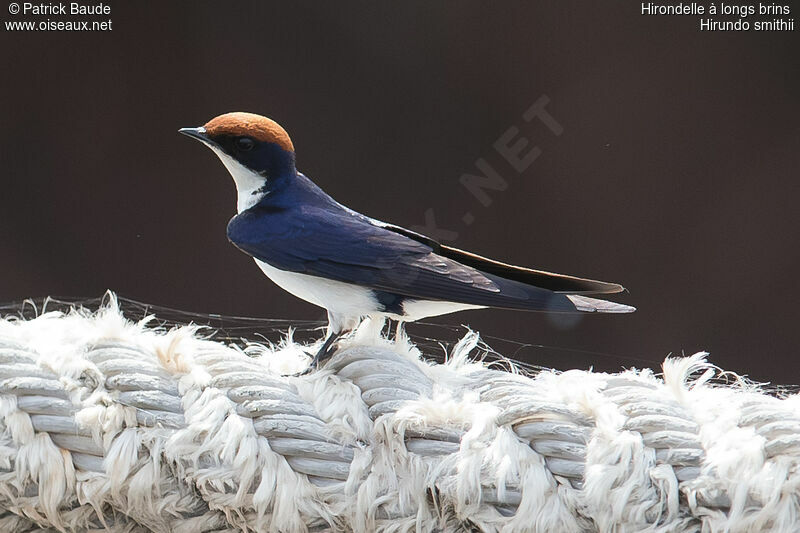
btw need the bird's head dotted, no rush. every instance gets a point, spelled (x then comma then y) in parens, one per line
(256, 150)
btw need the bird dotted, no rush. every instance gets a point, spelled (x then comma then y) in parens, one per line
(355, 266)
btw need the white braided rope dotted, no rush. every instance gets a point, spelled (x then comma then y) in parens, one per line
(110, 424)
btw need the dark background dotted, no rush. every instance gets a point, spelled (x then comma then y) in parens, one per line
(676, 173)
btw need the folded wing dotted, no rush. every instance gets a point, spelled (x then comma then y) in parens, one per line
(353, 249)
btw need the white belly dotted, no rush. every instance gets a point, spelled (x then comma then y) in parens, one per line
(347, 303)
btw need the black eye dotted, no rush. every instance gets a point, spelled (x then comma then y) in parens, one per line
(245, 144)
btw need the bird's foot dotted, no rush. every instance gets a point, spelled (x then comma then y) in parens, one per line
(325, 351)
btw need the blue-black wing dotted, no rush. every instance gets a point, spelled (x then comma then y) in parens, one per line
(343, 246)
(539, 278)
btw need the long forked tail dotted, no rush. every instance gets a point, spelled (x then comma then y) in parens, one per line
(593, 305)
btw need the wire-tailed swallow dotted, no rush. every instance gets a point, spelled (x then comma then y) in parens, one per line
(355, 266)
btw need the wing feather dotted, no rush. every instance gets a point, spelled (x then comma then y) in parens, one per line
(560, 283)
(345, 247)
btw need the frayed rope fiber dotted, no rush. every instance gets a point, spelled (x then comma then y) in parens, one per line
(108, 424)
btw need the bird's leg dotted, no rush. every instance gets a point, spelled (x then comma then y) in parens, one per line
(325, 351)
(337, 326)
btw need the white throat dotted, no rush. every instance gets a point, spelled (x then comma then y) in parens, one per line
(249, 185)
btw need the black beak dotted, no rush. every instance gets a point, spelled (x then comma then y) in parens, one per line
(196, 133)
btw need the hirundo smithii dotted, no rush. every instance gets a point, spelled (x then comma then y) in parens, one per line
(355, 266)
